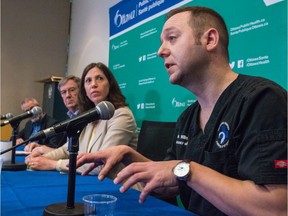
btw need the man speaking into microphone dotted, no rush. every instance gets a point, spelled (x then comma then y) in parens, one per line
(36, 123)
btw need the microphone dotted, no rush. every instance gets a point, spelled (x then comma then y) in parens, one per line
(7, 116)
(104, 110)
(34, 111)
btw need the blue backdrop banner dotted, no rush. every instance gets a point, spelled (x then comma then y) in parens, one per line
(127, 13)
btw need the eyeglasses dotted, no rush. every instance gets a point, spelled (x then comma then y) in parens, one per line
(70, 91)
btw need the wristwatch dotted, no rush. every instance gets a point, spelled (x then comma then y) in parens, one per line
(182, 170)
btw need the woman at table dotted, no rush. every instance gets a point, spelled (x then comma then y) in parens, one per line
(97, 84)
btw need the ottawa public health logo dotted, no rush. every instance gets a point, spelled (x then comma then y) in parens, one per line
(121, 19)
(223, 135)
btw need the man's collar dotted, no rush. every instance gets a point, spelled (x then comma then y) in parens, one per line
(72, 114)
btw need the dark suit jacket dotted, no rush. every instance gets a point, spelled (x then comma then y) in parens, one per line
(46, 122)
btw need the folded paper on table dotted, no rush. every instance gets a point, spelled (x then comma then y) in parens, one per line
(6, 157)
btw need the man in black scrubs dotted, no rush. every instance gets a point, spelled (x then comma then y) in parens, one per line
(229, 152)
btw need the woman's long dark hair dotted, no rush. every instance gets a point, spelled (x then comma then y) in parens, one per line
(115, 95)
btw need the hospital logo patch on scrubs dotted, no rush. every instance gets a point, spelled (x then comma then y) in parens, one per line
(223, 135)
(280, 164)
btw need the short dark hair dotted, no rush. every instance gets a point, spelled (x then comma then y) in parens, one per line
(64, 80)
(203, 17)
(115, 95)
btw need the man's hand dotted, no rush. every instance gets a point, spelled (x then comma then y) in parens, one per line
(19, 140)
(156, 176)
(109, 157)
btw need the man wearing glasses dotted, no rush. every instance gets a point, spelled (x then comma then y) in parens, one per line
(68, 88)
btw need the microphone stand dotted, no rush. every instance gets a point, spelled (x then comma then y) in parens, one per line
(13, 166)
(70, 207)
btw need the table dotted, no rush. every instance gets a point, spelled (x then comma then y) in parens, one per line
(28, 193)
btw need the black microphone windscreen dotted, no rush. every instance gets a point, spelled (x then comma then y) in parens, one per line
(9, 115)
(106, 109)
(36, 110)
(6, 116)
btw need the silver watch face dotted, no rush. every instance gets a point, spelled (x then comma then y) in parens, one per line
(182, 169)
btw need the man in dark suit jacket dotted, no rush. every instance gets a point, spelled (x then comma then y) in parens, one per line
(68, 87)
(37, 123)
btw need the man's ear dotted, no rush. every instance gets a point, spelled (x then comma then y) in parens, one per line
(211, 39)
